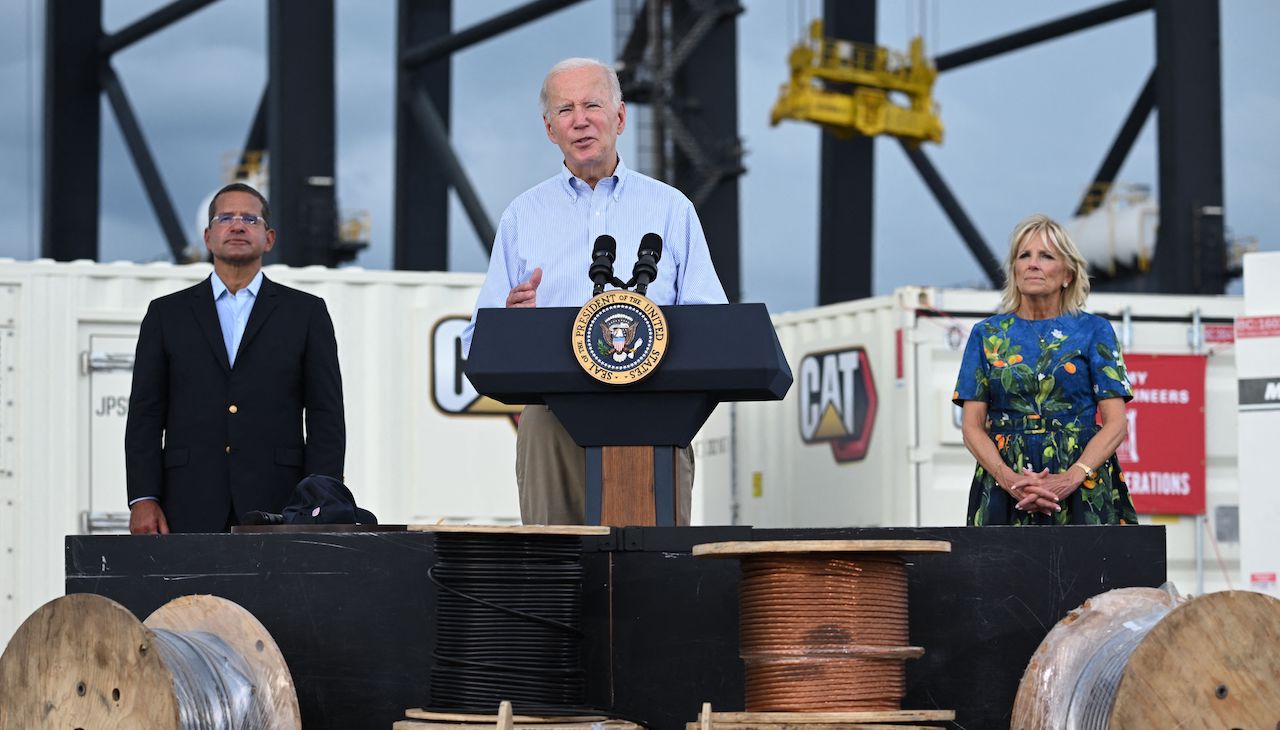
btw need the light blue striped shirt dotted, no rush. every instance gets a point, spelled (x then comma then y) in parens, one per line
(234, 311)
(554, 225)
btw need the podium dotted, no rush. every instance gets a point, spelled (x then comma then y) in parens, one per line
(715, 353)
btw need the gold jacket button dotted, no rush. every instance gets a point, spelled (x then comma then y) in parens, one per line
(233, 408)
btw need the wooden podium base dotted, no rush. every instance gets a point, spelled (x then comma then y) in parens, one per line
(631, 485)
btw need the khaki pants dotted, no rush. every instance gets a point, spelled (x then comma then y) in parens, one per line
(551, 473)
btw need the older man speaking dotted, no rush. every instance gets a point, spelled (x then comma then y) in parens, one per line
(543, 247)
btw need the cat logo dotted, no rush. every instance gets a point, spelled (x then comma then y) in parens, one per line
(450, 389)
(838, 402)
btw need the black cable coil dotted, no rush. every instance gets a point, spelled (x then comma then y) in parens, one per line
(508, 616)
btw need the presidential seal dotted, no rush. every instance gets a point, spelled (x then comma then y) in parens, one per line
(619, 337)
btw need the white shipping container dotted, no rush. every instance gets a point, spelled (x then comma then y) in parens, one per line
(883, 369)
(421, 445)
(1259, 421)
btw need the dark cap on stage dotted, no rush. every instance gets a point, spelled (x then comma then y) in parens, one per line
(323, 500)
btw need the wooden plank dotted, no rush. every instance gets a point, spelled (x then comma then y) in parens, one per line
(735, 549)
(627, 486)
(516, 529)
(819, 718)
(418, 713)
(806, 726)
(504, 716)
(429, 725)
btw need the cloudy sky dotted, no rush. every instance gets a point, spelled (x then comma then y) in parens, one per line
(1024, 132)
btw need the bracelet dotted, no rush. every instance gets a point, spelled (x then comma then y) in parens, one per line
(1087, 471)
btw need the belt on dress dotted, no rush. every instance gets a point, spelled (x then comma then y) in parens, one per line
(1040, 424)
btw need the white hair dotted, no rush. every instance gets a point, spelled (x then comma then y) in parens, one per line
(570, 64)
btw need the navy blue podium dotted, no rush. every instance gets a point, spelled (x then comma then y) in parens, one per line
(715, 353)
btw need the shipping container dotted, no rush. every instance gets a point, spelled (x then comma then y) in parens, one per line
(1258, 330)
(868, 435)
(422, 446)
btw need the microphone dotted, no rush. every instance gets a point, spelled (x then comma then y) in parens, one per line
(646, 268)
(603, 253)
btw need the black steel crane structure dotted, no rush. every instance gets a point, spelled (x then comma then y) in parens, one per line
(1185, 86)
(678, 58)
(294, 121)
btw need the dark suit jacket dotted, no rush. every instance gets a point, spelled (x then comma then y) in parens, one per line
(206, 438)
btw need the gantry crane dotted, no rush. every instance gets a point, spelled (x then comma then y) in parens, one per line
(846, 87)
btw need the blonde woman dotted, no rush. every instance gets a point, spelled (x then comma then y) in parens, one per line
(1032, 383)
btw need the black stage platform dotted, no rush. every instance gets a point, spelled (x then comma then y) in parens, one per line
(353, 612)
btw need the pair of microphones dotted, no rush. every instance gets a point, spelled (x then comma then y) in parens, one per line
(605, 251)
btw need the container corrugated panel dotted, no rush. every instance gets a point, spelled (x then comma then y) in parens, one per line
(415, 452)
(842, 358)
(818, 459)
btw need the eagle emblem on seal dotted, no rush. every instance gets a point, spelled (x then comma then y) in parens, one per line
(620, 341)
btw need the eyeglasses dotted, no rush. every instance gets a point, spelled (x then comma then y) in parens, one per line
(227, 219)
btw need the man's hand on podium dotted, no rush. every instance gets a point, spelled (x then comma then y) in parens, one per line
(526, 294)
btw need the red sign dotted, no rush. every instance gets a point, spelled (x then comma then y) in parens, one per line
(1218, 334)
(1163, 457)
(1257, 327)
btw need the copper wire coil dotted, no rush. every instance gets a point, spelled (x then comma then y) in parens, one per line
(824, 632)
(764, 638)
(850, 651)
(845, 685)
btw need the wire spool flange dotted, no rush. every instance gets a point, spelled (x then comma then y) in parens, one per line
(1140, 658)
(85, 661)
(1215, 659)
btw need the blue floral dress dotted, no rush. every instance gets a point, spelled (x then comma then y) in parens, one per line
(1042, 380)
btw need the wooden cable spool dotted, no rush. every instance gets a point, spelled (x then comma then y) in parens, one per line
(85, 661)
(1142, 658)
(824, 622)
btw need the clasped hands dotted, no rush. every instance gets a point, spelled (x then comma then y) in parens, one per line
(1041, 491)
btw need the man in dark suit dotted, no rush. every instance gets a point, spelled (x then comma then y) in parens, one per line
(224, 375)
